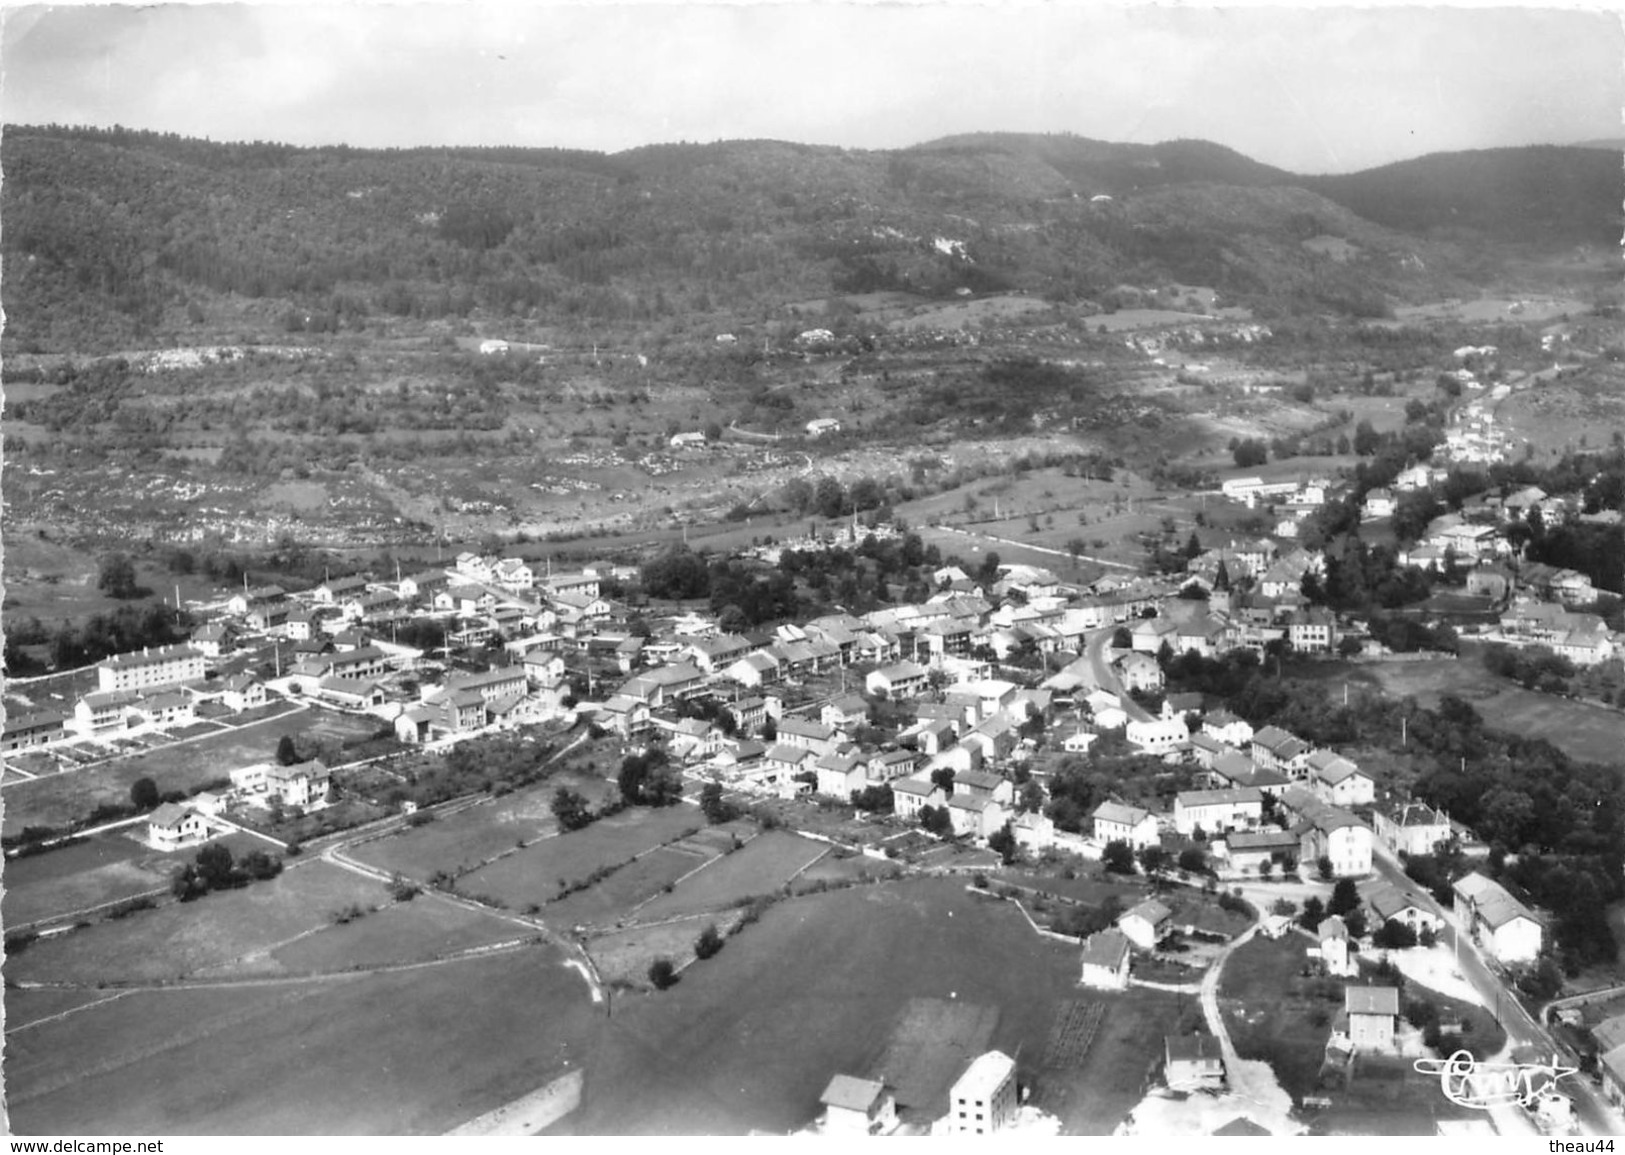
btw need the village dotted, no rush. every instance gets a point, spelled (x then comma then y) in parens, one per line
(939, 723)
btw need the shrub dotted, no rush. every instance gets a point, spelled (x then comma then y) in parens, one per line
(662, 973)
(709, 942)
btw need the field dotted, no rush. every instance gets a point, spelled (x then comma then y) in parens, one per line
(1565, 415)
(348, 1054)
(1582, 731)
(832, 983)
(62, 798)
(408, 932)
(209, 936)
(103, 869)
(536, 874)
(764, 865)
(464, 839)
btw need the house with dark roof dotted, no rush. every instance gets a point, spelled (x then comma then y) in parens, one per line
(1106, 960)
(1371, 1015)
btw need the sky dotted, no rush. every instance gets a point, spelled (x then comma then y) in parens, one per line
(1310, 89)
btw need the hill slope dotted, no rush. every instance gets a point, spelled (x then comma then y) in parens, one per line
(113, 237)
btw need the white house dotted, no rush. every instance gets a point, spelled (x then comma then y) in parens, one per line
(1118, 822)
(172, 826)
(1145, 924)
(1499, 923)
(1159, 736)
(1218, 810)
(984, 1099)
(1106, 956)
(1411, 827)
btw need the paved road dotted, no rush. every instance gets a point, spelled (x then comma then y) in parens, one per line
(1106, 678)
(1595, 1116)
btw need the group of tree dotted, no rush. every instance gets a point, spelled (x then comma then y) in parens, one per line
(571, 810)
(648, 779)
(213, 868)
(125, 628)
(1562, 819)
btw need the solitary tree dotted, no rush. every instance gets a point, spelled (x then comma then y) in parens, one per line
(1345, 897)
(144, 793)
(286, 752)
(709, 942)
(1003, 843)
(117, 577)
(662, 973)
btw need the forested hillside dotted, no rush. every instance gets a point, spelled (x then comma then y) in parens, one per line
(115, 237)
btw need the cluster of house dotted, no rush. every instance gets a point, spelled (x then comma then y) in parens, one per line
(1293, 502)
(304, 785)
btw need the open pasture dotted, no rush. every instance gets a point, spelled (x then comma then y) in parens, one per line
(406, 932)
(840, 867)
(973, 313)
(465, 839)
(619, 895)
(102, 869)
(533, 875)
(512, 1020)
(206, 936)
(760, 867)
(819, 985)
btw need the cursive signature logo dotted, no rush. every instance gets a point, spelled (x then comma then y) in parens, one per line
(1468, 1083)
